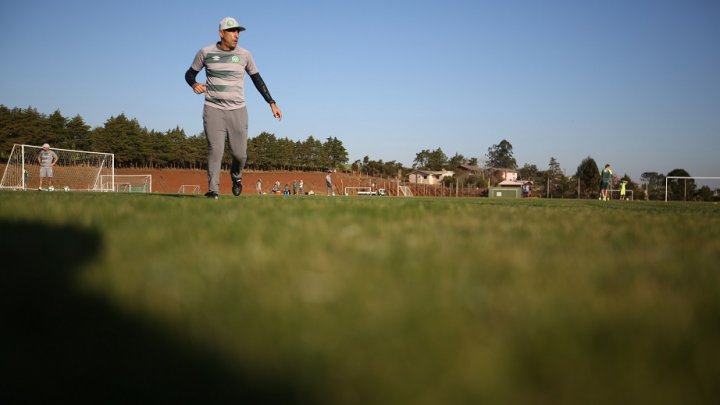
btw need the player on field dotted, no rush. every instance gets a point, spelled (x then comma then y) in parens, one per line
(225, 113)
(47, 159)
(328, 183)
(605, 182)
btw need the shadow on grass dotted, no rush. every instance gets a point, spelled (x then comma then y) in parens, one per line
(58, 344)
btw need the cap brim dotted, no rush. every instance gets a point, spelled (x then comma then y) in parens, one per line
(235, 28)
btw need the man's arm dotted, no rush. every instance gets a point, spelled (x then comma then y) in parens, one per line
(262, 88)
(190, 76)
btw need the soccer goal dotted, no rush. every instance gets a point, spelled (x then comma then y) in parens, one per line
(358, 191)
(404, 191)
(75, 169)
(128, 183)
(688, 188)
(615, 194)
(189, 189)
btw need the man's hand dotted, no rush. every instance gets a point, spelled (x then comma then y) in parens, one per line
(276, 111)
(199, 88)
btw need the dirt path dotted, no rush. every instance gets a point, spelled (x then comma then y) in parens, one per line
(170, 180)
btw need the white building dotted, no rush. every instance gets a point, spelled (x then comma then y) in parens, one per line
(428, 177)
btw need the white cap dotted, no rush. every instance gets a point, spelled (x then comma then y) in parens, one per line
(45, 145)
(228, 23)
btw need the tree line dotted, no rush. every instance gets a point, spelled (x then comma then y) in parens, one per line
(136, 146)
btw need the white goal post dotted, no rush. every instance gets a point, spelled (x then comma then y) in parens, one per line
(128, 183)
(685, 178)
(404, 190)
(350, 190)
(189, 189)
(75, 169)
(629, 194)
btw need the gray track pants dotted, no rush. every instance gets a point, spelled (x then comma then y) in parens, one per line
(221, 124)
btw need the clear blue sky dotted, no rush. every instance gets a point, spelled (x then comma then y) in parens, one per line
(634, 83)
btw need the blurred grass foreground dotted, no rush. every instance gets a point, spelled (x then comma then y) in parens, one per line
(349, 300)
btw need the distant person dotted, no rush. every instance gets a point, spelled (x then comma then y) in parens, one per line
(301, 186)
(46, 159)
(295, 187)
(623, 184)
(328, 183)
(286, 190)
(276, 187)
(225, 113)
(605, 182)
(258, 186)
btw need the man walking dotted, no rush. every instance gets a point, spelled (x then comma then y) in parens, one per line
(224, 112)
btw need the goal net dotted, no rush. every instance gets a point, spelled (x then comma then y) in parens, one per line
(75, 170)
(404, 191)
(615, 195)
(189, 189)
(128, 183)
(692, 188)
(348, 190)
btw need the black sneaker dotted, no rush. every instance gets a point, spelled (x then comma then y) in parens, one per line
(211, 194)
(237, 187)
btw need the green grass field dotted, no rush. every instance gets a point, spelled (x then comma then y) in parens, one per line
(373, 300)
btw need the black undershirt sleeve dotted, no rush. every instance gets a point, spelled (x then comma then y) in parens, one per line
(190, 76)
(260, 86)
